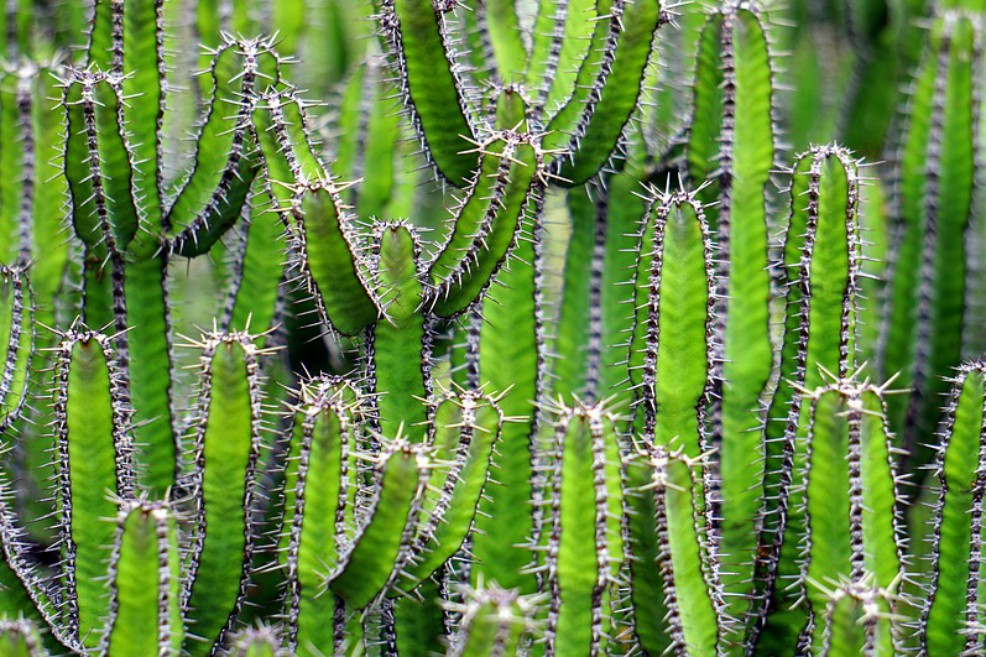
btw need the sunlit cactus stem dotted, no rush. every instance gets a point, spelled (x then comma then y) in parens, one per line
(495, 621)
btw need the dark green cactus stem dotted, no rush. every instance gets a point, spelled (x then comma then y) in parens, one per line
(852, 538)
(319, 507)
(923, 335)
(16, 342)
(145, 584)
(670, 362)
(731, 140)
(225, 441)
(495, 621)
(19, 638)
(584, 548)
(954, 600)
(94, 455)
(821, 275)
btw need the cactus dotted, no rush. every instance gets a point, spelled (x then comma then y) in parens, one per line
(501, 355)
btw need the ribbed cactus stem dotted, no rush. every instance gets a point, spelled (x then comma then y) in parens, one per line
(16, 342)
(495, 623)
(584, 536)
(954, 611)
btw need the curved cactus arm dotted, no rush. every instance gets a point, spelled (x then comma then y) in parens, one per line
(822, 255)
(585, 548)
(384, 538)
(562, 39)
(238, 72)
(319, 487)
(145, 617)
(495, 621)
(732, 138)
(851, 531)
(954, 601)
(226, 432)
(19, 638)
(331, 262)
(432, 89)
(401, 338)
(16, 343)
(487, 222)
(94, 461)
(675, 590)
(467, 427)
(924, 330)
(589, 127)
(511, 359)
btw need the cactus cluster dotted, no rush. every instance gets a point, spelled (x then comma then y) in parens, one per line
(488, 328)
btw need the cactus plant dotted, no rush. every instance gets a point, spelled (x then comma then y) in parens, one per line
(502, 355)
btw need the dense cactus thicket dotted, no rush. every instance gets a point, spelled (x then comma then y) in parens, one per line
(484, 328)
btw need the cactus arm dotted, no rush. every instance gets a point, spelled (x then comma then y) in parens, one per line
(856, 621)
(512, 359)
(585, 547)
(417, 34)
(94, 456)
(707, 104)
(13, 128)
(19, 638)
(472, 425)
(954, 598)
(331, 263)
(102, 48)
(16, 343)
(226, 437)
(145, 617)
(591, 124)
(368, 560)
(401, 341)
(260, 642)
(562, 39)
(504, 32)
(317, 485)
(495, 621)
(459, 275)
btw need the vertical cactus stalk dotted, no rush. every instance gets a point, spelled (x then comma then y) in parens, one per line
(731, 142)
(954, 601)
(923, 334)
(145, 616)
(821, 275)
(852, 535)
(94, 459)
(495, 621)
(584, 541)
(222, 482)
(670, 363)
(16, 344)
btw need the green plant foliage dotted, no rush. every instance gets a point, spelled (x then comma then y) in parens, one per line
(490, 328)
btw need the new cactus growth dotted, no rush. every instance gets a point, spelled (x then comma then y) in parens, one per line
(512, 348)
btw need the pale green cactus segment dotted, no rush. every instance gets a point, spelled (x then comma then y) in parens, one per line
(954, 601)
(585, 548)
(676, 592)
(318, 487)
(476, 252)
(94, 461)
(334, 268)
(417, 33)
(16, 342)
(142, 86)
(260, 642)
(238, 72)
(670, 355)
(732, 137)
(14, 129)
(102, 50)
(401, 349)
(923, 335)
(400, 473)
(495, 621)
(225, 439)
(505, 35)
(145, 584)
(857, 620)
(512, 360)
(562, 40)
(19, 638)
(255, 287)
(467, 428)
(608, 88)
(282, 129)
(851, 530)
(822, 253)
